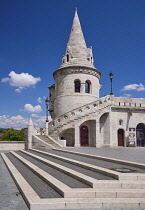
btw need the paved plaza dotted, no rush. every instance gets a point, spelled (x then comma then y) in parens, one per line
(11, 199)
(134, 154)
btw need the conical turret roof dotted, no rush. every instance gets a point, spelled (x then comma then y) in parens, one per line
(76, 34)
(77, 52)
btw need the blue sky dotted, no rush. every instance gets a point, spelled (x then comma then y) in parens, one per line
(33, 38)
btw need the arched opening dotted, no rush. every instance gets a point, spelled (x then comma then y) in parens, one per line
(77, 86)
(87, 87)
(120, 137)
(104, 129)
(140, 135)
(69, 136)
(84, 136)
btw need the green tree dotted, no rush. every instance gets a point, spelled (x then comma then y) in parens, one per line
(12, 135)
(2, 130)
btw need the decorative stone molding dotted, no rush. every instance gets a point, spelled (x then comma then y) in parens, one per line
(77, 70)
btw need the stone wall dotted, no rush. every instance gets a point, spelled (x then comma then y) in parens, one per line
(11, 145)
(66, 98)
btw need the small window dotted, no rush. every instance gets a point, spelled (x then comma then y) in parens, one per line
(87, 87)
(77, 86)
(67, 57)
(120, 122)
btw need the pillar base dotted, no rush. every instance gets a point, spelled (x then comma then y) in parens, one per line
(77, 145)
(97, 145)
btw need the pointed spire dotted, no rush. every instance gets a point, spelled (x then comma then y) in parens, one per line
(76, 35)
(77, 52)
(30, 123)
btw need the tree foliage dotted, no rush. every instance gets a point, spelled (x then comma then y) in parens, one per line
(12, 135)
(2, 130)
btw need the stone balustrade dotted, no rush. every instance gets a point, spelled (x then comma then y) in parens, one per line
(79, 112)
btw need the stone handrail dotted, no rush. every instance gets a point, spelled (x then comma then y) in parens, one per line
(71, 115)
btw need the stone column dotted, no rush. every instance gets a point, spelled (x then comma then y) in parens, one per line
(98, 136)
(82, 88)
(46, 129)
(77, 136)
(30, 133)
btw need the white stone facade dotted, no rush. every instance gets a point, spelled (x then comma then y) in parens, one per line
(82, 118)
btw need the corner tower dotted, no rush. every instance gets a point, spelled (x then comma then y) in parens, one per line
(76, 80)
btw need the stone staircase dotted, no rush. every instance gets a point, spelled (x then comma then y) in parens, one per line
(46, 139)
(43, 142)
(61, 180)
(89, 110)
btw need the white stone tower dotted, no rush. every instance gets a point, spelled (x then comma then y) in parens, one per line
(76, 80)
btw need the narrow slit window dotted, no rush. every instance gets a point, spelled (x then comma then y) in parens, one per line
(87, 87)
(77, 86)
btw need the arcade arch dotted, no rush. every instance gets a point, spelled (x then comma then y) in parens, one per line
(140, 135)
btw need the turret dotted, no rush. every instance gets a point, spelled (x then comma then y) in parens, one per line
(76, 80)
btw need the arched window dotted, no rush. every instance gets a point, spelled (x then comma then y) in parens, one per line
(77, 86)
(87, 87)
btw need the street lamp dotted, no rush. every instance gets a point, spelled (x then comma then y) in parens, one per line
(47, 103)
(111, 77)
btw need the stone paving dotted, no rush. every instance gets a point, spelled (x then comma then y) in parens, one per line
(101, 163)
(134, 154)
(10, 198)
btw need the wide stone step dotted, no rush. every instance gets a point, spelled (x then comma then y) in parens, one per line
(91, 167)
(107, 163)
(43, 189)
(49, 168)
(22, 165)
(96, 173)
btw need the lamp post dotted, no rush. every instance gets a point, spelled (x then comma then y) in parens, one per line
(111, 77)
(47, 103)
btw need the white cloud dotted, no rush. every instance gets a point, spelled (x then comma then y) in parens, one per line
(16, 122)
(4, 116)
(39, 100)
(18, 117)
(34, 115)
(137, 87)
(21, 81)
(30, 108)
(5, 79)
(18, 90)
(19, 122)
(127, 95)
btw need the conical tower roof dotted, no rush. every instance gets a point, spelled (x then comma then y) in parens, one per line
(77, 52)
(76, 34)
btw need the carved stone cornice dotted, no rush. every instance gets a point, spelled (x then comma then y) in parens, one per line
(77, 70)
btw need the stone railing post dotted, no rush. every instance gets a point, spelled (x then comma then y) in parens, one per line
(30, 133)
(46, 129)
